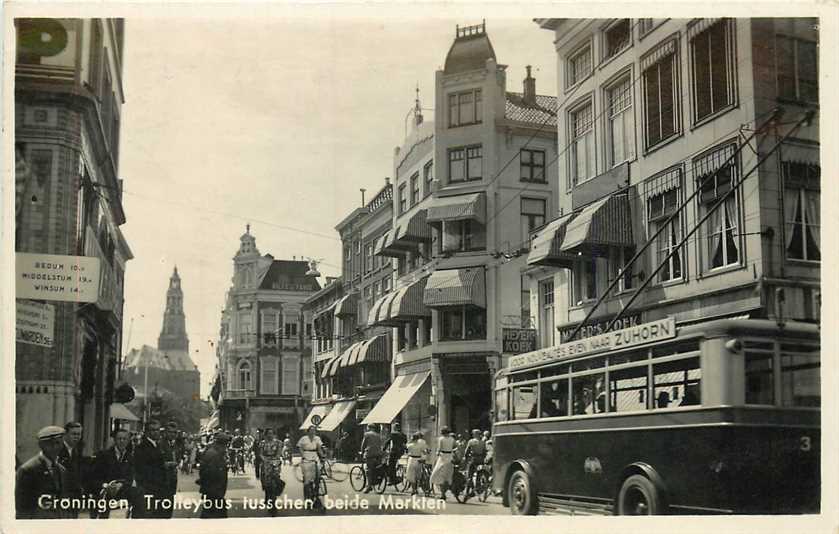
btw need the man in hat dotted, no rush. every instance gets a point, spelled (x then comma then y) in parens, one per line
(39, 480)
(169, 448)
(396, 443)
(70, 458)
(212, 481)
(150, 473)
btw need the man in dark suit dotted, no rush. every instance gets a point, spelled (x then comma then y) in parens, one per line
(39, 480)
(70, 458)
(150, 473)
(171, 452)
(212, 480)
(113, 470)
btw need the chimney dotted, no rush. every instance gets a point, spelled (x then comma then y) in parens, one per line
(529, 89)
(387, 180)
(362, 195)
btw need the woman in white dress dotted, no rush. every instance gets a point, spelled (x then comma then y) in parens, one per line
(443, 468)
(417, 450)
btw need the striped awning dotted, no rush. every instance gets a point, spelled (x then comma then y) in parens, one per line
(456, 287)
(545, 248)
(340, 411)
(796, 153)
(349, 355)
(700, 25)
(407, 302)
(413, 229)
(457, 208)
(605, 223)
(711, 161)
(397, 396)
(663, 182)
(373, 350)
(660, 52)
(321, 411)
(347, 305)
(393, 247)
(379, 313)
(327, 367)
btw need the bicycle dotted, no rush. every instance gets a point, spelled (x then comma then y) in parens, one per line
(358, 477)
(334, 470)
(423, 480)
(481, 482)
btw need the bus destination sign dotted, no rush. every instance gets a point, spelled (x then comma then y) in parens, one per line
(614, 340)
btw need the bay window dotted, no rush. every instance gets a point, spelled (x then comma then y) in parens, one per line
(462, 323)
(463, 236)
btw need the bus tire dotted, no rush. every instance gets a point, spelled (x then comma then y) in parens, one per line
(639, 496)
(521, 495)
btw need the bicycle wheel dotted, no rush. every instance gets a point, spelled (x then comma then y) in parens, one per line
(298, 472)
(483, 486)
(381, 484)
(357, 478)
(322, 487)
(401, 481)
(338, 471)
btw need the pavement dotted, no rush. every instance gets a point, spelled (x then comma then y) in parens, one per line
(245, 497)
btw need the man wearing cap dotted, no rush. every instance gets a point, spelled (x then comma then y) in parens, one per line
(170, 450)
(212, 481)
(70, 458)
(39, 480)
(150, 474)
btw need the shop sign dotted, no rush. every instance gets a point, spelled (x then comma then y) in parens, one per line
(57, 277)
(518, 340)
(598, 326)
(35, 323)
(361, 413)
(614, 340)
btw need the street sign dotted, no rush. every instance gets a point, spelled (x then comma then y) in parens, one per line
(35, 323)
(56, 277)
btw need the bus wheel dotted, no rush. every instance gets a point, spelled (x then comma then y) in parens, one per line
(521, 496)
(638, 496)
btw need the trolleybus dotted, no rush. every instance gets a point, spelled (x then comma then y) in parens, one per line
(718, 417)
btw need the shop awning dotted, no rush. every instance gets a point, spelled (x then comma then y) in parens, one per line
(407, 302)
(321, 410)
(373, 350)
(391, 246)
(348, 355)
(340, 411)
(347, 305)
(327, 367)
(380, 312)
(397, 396)
(605, 223)
(545, 247)
(457, 208)
(456, 287)
(413, 229)
(119, 411)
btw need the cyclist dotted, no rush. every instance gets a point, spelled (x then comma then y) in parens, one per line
(417, 454)
(269, 452)
(475, 455)
(395, 446)
(311, 454)
(371, 451)
(237, 444)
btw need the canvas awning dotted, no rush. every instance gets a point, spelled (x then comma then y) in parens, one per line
(327, 367)
(119, 411)
(340, 411)
(347, 305)
(456, 287)
(321, 410)
(373, 350)
(348, 355)
(380, 311)
(397, 396)
(413, 229)
(407, 302)
(457, 208)
(605, 223)
(545, 247)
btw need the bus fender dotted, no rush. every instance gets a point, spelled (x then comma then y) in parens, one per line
(516, 465)
(645, 469)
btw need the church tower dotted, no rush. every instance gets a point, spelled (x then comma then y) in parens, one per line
(173, 335)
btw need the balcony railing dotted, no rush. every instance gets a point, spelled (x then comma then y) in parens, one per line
(236, 394)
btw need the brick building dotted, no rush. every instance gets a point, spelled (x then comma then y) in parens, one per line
(68, 202)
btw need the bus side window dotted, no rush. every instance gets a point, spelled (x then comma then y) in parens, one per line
(554, 399)
(627, 389)
(589, 394)
(679, 378)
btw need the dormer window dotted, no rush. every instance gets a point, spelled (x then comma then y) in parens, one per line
(465, 108)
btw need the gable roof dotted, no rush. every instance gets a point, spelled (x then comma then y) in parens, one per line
(289, 275)
(543, 112)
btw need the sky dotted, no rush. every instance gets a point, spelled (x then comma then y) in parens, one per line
(273, 122)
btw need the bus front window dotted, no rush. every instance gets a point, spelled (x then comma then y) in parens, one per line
(800, 383)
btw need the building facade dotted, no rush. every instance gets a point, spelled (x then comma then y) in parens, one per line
(468, 188)
(68, 202)
(669, 130)
(265, 342)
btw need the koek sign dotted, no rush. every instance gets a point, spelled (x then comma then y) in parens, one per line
(614, 340)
